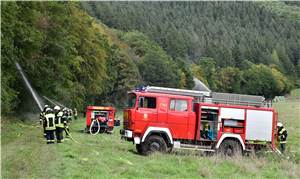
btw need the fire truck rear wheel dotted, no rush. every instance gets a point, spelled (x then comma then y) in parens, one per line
(155, 144)
(230, 148)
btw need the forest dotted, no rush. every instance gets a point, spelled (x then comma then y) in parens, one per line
(228, 32)
(94, 52)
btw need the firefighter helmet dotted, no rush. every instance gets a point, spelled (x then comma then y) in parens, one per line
(57, 108)
(49, 110)
(279, 124)
(45, 107)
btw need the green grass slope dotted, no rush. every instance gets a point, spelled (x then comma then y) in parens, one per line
(26, 155)
(289, 115)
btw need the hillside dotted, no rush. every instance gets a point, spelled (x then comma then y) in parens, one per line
(70, 57)
(92, 53)
(229, 32)
(25, 155)
(77, 60)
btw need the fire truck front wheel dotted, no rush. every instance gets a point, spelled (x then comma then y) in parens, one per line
(139, 148)
(230, 148)
(153, 144)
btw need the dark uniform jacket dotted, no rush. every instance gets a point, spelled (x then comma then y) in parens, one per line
(282, 135)
(59, 120)
(64, 118)
(49, 121)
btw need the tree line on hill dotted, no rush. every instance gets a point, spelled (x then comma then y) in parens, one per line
(228, 32)
(75, 59)
(63, 52)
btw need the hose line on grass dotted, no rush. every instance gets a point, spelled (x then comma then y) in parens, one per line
(76, 140)
(71, 136)
(91, 127)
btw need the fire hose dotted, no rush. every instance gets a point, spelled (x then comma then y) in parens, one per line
(74, 140)
(91, 127)
(71, 136)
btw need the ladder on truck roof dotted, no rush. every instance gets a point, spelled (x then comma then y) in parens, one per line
(212, 97)
(183, 92)
(237, 99)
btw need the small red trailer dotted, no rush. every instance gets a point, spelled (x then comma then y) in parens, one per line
(100, 119)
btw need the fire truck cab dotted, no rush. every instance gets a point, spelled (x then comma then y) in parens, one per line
(159, 119)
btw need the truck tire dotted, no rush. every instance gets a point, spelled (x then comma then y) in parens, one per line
(153, 144)
(230, 148)
(140, 149)
(169, 149)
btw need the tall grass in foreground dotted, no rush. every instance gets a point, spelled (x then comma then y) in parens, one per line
(25, 155)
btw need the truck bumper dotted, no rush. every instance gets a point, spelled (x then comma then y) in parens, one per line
(126, 134)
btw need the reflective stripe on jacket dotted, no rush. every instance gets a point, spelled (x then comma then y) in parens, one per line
(50, 121)
(282, 131)
(42, 115)
(58, 120)
(282, 135)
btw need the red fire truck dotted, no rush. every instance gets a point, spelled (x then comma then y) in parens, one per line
(100, 119)
(159, 119)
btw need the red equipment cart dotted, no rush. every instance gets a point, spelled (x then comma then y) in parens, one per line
(100, 119)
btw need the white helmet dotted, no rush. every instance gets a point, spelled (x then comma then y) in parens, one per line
(56, 108)
(49, 110)
(279, 124)
(45, 107)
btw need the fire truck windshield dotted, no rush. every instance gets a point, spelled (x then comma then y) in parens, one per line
(131, 100)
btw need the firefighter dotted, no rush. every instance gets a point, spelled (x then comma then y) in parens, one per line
(65, 120)
(59, 124)
(282, 136)
(75, 114)
(42, 116)
(49, 121)
(205, 130)
(66, 114)
(70, 114)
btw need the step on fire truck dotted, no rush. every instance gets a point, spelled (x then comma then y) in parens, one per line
(100, 119)
(160, 119)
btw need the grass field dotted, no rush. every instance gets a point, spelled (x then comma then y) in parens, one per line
(25, 154)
